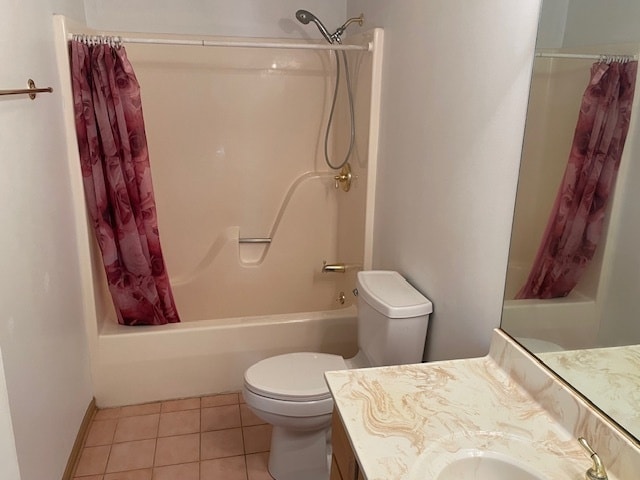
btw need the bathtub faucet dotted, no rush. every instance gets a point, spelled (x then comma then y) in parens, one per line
(334, 267)
(337, 267)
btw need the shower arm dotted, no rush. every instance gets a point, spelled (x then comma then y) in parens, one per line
(336, 36)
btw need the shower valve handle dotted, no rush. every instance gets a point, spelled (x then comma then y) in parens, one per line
(344, 178)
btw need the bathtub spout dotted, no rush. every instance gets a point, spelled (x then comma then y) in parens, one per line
(334, 267)
(339, 267)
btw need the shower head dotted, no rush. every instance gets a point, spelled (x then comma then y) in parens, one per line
(304, 17)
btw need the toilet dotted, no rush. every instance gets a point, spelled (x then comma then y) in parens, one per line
(289, 391)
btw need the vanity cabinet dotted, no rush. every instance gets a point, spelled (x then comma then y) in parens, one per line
(344, 465)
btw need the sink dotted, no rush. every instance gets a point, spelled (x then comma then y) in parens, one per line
(480, 466)
(482, 455)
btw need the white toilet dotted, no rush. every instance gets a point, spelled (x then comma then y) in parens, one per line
(289, 391)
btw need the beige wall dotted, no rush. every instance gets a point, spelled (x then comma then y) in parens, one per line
(455, 85)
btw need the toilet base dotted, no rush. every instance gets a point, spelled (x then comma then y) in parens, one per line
(297, 455)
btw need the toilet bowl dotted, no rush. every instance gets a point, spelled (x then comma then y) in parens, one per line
(289, 391)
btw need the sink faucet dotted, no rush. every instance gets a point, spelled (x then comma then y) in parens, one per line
(597, 472)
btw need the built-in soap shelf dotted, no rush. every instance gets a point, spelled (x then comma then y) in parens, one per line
(252, 250)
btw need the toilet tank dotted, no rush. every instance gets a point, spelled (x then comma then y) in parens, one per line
(392, 318)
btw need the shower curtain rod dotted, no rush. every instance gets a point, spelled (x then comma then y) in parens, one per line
(589, 56)
(115, 39)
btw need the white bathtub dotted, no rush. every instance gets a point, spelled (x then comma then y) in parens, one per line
(143, 364)
(570, 322)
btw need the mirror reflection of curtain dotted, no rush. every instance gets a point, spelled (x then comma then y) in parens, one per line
(576, 221)
(117, 183)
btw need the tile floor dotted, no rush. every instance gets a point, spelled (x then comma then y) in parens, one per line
(203, 438)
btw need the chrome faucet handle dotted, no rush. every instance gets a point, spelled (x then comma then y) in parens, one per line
(597, 472)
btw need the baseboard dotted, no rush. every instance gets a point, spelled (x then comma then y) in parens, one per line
(74, 456)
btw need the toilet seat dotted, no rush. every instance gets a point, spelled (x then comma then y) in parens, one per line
(285, 408)
(293, 377)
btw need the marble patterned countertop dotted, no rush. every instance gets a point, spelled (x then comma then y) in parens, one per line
(408, 422)
(607, 375)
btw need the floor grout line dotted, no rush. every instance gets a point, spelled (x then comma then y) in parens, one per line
(241, 425)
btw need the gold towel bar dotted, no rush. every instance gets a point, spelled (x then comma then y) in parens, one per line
(31, 91)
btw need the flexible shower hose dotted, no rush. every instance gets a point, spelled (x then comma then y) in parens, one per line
(333, 107)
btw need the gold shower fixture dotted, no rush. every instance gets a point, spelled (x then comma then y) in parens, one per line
(344, 178)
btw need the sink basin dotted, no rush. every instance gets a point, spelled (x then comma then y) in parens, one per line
(487, 466)
(485, 455)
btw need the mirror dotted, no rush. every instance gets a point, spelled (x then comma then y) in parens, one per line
(591, 337)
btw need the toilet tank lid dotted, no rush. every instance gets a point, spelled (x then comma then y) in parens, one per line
(391, 295)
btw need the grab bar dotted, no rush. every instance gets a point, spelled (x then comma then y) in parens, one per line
(254, 240)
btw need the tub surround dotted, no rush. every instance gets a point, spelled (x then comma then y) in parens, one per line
(402, 421)
(286, 194)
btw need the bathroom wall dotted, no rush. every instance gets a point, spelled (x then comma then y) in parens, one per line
(621, 300)
(251, 18)
(8, 456)
(455, 85)
(553, 20)
(575, 23)
(621, 304)
(44, 355)
(593, 22)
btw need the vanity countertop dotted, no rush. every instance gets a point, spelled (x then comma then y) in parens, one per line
(607, 375)
(400, 420)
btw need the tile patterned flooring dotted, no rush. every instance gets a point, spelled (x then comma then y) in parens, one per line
(202, 438)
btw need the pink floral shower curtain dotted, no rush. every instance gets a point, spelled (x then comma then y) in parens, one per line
(117, 183)
(576, 221)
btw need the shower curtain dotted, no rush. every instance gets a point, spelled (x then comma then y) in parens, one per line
(575, 225)
(117, 183)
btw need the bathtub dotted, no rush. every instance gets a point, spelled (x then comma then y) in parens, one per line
(143, 364)
(570, 322)
(238, 302)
